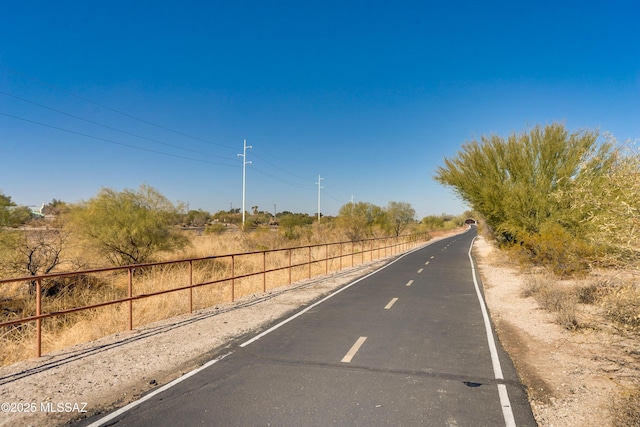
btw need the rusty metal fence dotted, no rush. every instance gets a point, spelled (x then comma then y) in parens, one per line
(231, 276)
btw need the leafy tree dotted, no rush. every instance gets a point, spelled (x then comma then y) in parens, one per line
(232, 216)
(197, 218)
(607, 205)
(360, 220)
(433, 222)
(399, 216)
(511, 182)
(12, 215)
(55, 207)
(292, 225)
(129, 227)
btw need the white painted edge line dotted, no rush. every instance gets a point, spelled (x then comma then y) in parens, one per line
(388, 306)
(301, 312)
(111, 416)
(410, 282)
(353, 350)
(507, 412)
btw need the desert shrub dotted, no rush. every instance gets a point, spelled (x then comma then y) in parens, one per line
(589, 293)
(625, 409)
(217, 228)
(597, 287)
(557, 249)
(128, 227)
(555, 297)
(622, 305)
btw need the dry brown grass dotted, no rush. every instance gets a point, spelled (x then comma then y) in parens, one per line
(615, 297)
(611, 301)
(18, 342)
(558, 298)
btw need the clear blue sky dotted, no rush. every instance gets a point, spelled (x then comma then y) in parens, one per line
(370, 95)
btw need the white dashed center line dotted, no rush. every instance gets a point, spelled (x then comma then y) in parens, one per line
(388, 306)
(354, 349)
(410, 282)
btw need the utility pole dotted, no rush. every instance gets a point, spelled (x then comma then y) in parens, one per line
(319, 187)
(244, 176)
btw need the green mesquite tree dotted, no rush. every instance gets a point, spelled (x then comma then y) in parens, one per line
(129, 227)
(511, 182)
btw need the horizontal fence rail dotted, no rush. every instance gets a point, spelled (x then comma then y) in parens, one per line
(236, 275)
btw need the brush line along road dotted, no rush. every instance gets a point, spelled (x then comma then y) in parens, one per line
(409, 344)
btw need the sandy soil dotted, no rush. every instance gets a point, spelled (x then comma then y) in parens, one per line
(569, 376)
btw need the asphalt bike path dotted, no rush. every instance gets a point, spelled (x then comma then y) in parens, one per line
(406, 345)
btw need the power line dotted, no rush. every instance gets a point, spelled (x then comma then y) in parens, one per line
(27, 76)
(281, 168)
(110, 127)
(110, 140)
(327, 192)
(284, 181)
(130, 116)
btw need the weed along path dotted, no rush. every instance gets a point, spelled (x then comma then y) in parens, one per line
(408, 344)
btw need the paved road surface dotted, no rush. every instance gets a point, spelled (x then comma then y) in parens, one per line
(404, 346)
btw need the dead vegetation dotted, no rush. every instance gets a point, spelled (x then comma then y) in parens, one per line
(604, 301)
(64, 293)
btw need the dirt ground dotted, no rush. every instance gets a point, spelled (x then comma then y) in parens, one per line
(570, 376)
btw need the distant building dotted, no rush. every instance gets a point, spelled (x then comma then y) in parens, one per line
(36, 213)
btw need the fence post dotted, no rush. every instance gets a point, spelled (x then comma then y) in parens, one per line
(233, 278)
(309, 262)
(38, 321)
(326, 259)
(130, 292)
(264, 271)
(190, 286)
(290, 250)
(351, 253)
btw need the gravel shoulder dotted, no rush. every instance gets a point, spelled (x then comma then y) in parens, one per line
(571, 377)
(568, 382)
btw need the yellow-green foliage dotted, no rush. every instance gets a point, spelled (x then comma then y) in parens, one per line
(217, 228)
(556, 248)
(361, 220)
(606, 204)
(569, 200)
(128, 227)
